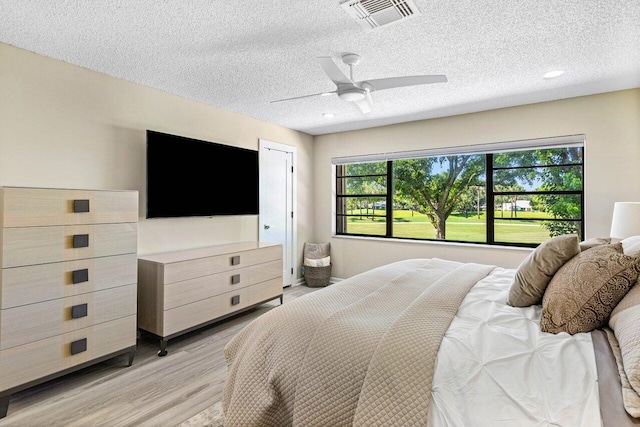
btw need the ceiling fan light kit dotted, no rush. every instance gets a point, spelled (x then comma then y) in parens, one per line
(359, 92)
(352, 94)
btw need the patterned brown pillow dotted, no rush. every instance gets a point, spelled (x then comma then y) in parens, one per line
(584, 291)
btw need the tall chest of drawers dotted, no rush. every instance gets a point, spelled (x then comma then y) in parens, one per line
(185, 290)
(68, 282)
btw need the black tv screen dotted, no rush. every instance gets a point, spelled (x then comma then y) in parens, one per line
(189, 177)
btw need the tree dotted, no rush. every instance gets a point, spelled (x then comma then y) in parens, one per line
(436, 184)
(471, 200)
(558, 170)
(510, 200)
(566, 177)
(364, 179)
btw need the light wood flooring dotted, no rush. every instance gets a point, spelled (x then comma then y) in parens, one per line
(154, 391)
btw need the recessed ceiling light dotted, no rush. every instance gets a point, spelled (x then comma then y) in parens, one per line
(553, 74)
(328, 115)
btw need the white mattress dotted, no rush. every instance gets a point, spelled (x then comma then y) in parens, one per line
(494, 350)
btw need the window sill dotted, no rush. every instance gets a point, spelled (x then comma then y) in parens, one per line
(434, 243)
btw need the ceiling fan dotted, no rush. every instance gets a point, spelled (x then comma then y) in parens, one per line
(359, 92)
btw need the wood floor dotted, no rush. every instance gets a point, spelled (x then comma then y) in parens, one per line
(155, 391)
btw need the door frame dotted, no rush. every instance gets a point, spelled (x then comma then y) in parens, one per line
(264, 145)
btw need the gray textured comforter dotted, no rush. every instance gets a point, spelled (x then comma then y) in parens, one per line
(360, 352)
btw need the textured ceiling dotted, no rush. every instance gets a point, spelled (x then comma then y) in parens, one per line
(241, 55)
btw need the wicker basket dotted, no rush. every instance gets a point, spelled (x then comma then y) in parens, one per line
(317, 277)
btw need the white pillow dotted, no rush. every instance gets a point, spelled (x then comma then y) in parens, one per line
(631, 246)
(320, 262)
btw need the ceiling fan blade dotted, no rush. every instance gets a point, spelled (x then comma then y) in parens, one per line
(365, 103)
(331, 69)
(304, 96)
(393, 82)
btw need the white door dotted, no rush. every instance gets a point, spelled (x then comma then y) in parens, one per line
(277, 194)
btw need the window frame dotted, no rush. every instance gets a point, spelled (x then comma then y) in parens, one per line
(341, 218)
(490, 192)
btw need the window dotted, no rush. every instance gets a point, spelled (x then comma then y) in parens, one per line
(514, 194)
(362, 199)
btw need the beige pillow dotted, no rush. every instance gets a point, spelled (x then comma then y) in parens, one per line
(535, 272)
(584, 291)
(625, 323)
(593, 242)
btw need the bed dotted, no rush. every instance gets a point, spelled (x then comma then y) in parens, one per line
(432, 342)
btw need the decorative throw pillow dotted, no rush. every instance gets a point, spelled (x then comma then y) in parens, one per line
(593, 242)
(624, 322)
(535, 272)
(584, 291)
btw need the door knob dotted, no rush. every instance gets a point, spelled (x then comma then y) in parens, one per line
(266, 227)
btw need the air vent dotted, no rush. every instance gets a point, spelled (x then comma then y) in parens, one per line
(378, 13)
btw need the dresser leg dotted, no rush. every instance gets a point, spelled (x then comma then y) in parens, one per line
(4, 405)
(132, 354)
(281, 299)
(163, 348)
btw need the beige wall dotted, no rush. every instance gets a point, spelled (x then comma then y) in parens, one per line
(611, 123)
(65, 126)
(68, 127)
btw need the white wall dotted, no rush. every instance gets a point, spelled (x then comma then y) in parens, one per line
(68, 127)
(611, 123)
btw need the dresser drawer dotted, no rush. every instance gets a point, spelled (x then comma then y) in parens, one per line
(43, 282)
(34, 322)
(184, 270)
(29, 362)
(40, 245)
(28, 207)
(197, 313)
(188, 291)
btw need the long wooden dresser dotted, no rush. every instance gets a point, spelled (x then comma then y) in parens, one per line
(67, 284)
(184, 290)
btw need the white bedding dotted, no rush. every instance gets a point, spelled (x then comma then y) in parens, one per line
(495, 367)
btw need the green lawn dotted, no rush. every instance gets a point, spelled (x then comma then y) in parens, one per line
(410, 224)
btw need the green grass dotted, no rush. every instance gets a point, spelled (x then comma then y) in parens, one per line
(413, 225)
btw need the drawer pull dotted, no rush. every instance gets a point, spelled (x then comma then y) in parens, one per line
(78, 311)
(80, 276)
(235, 300)
(80, 240)
(78, 346)
(235, 279)
(81, 205)
(235, 260)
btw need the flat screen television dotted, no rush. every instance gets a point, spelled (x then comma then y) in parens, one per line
(189, 177)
